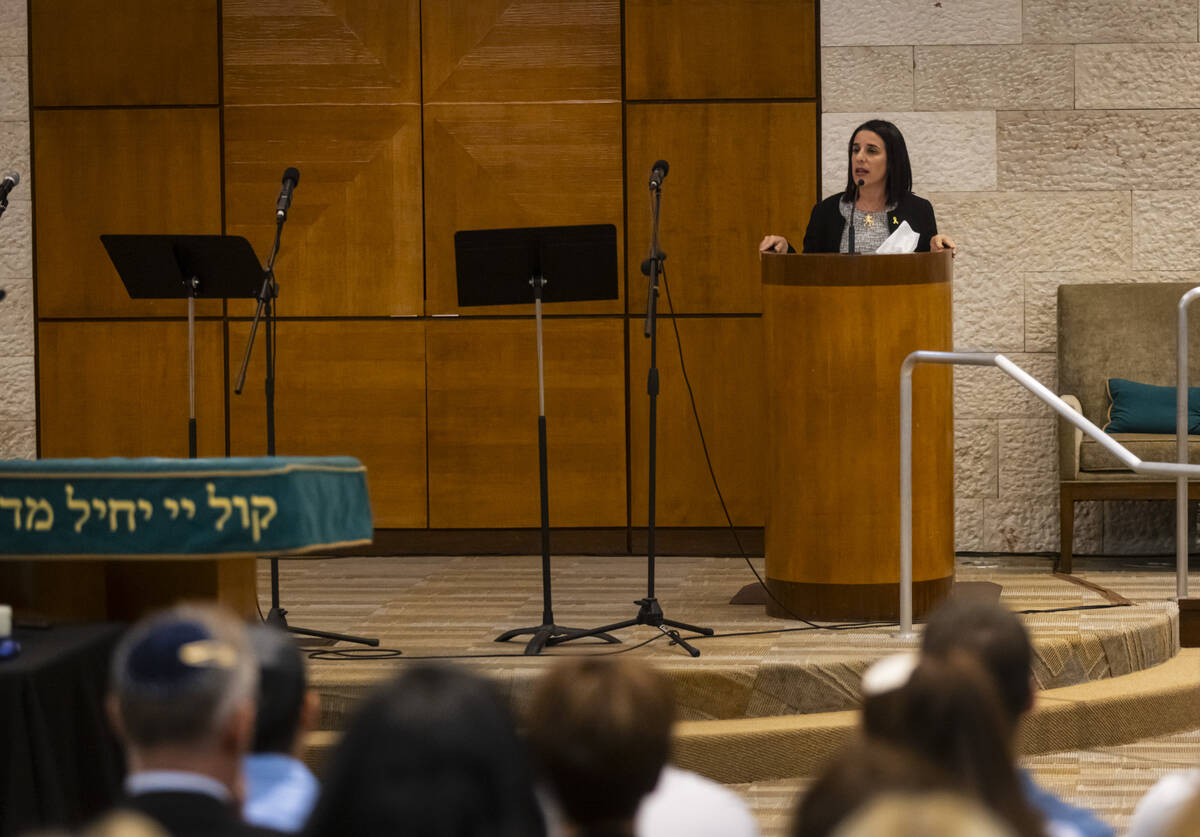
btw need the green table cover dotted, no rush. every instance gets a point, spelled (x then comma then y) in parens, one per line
(78, 508)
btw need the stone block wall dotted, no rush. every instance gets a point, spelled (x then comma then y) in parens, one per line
(18, 411)
(1055, 140)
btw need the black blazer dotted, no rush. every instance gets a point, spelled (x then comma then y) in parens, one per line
(184, 814)
(825, 225)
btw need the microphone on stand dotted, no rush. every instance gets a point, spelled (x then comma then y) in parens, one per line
(658, 173)
(853, 204)
(290, 178)
(11, 179)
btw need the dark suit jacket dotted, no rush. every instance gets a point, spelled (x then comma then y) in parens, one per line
(184, 814)
(825, 225)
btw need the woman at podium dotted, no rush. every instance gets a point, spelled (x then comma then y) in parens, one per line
(877, 200)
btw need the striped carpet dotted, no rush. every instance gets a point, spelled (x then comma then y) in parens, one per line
(756, 667)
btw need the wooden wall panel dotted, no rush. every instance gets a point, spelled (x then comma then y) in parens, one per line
(135, 52)
(738, 171)
(353, 388)
(352, 245)
(307, 52)
(118, 171)
(120, 388)
(720, 49)
(724, 359)
(483, 409)
(495, 166)
(521, 50)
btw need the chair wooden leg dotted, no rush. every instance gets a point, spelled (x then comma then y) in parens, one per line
(1066, 524)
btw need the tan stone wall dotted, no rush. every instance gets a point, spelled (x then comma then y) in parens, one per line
(17, 390)
(1055, 139)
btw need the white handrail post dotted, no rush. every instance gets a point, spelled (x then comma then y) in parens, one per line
(1181, 446)
(906, 522)
(906, 502)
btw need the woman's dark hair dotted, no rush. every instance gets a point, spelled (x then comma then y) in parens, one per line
(859, 774)
(433, 754)
(600, 732)
(995, 637)
(282, 685)
(950, 714)
(899, 170)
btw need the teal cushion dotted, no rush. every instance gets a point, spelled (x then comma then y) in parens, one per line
(1144, 408)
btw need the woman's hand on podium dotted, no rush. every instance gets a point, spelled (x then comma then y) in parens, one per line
(773, 244)
(943, 242)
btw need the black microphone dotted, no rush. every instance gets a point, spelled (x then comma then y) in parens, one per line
(290, 178)
(658, 173)
(11, 179)
(853, 204)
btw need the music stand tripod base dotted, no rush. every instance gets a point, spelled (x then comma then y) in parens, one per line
(545, 635)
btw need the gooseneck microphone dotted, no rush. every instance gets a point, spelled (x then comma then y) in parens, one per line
(290, 178)
(853, 204)
(658, 173)
(11, 179)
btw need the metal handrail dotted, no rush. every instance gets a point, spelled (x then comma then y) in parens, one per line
(1175, 470)
(1181, 445)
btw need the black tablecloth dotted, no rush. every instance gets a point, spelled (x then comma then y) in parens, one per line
(59, 762)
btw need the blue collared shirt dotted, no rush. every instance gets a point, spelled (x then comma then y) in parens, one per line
(280, 791)
(1062, 817)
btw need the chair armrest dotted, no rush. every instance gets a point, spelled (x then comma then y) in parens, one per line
(1069, 439)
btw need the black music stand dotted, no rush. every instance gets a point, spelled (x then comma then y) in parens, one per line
(539, 264)
(186, 267)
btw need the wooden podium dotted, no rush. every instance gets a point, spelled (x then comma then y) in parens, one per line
(837, 328)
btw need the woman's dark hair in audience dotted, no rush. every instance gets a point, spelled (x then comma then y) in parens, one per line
(899, 169)
(994, 636)
(949, 713)
(433, 754)
(282, 686)
(600, 733)
(862, 772)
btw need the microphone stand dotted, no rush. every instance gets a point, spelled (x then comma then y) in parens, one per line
(853, 205)
(3, 206)
(266, 312)
(650, 612)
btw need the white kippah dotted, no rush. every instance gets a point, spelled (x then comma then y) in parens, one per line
(888, 674)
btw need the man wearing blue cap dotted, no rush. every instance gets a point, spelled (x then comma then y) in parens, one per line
(182, 699)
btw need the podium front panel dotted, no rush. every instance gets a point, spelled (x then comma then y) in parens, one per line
(837, 329)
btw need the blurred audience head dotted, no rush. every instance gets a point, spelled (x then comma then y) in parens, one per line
(995, 637)
(946, 711)
(921, 815)
(285, 705)
(860, 773)
(432, 754)
(124, 824)
(600, 731)
(184, 683)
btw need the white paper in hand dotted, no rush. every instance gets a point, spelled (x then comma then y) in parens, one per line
(903, 240)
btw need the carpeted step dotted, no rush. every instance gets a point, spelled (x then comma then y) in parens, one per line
(1153, 702)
